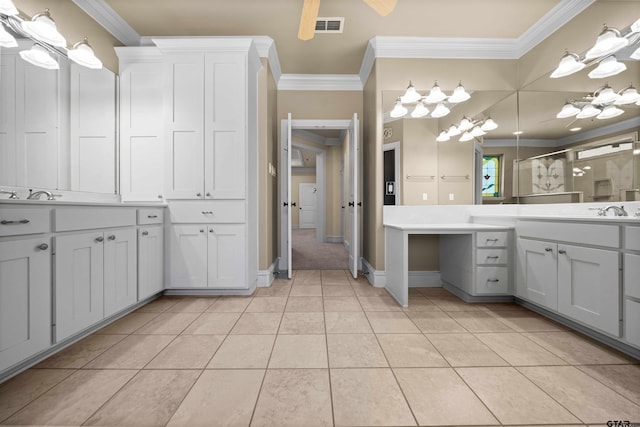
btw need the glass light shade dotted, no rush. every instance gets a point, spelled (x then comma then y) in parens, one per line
(609, 41)
(488, 125)
(606, 96)
(569, 64)
(588, 111)
(476, 131)
(607, 67)
(629, 96)
(43, 27)
(410, 95)
(398, 110)
(453, 131)
(440, 111)
(466, 137)
(82, 54)
(635, 27)
(609, 112)
(443, 137)
(568, 110)
(435, 95)
(6, 39)
(39, 57)
(7, 8)
(459, 95)
(419, 111)
(635, 54)
(465, 124)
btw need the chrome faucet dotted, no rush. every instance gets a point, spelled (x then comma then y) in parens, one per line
(37, 194)
(12, 194)
(617, 210)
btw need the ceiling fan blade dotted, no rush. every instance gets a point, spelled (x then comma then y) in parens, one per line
(308, 19)
(383, 7)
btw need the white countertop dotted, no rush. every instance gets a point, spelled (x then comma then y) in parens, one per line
(62, 203)
(444, 228)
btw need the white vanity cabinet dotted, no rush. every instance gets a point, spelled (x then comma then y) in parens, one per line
(492, 262)
(537, 272)
(25, 294)
(631, 277)
(150, 252)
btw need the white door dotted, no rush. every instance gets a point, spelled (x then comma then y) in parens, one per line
(120, 284)
(188, 256)
(307, 194)
(285, 191)
(537, 269)
(354, 202)
(227, 256)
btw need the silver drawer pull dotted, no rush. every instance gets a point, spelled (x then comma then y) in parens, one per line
(152, 216)
(20, 221)
(202, 230)
(112, 237)
(145, 233)
(208, 194)
(99, 239)
(562, 251)
(207, 212)
(492, 240)
(492, 257)
(43, 247)
(493, 280)
(548, 250)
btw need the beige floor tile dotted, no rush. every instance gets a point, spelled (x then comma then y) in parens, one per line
(157, 306)
(294, 398)
(435, 322)
(625, 379)
(304, 304)
(465, 350)
(585, 397)
(277, 289)
(512, 398)
(576, 349)
(479, 321)
(73, 400)
(452, 303)
(213, 323)
(337, 291)
(526, 321)
(347, 323)
(230, 305)
(410, 350)
(307, 277)
(187, 352)
(391, 322)
(440, 397)
(420, 303)
(348, 303)
(306, 291)
(379, 303)
(220, 398)
(336, 281)
(366, 290)
(128, 324)
(299, 351)
(133, 352)
(84, 351)
(192, 305)
(243, 352)
(267, 305)
(434, 292)
(518, 350)
(149, 399)
(257, 324)
(503, 306)
(168, 324)
(302, 323)
(25, 387)
(355, 351)
(368, 397)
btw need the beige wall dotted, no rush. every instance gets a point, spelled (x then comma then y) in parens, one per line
(74, 25)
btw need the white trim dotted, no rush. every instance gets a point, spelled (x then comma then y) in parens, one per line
(267, 49)
(334, 239)
(425, 279)
(348, 82)
(200, 44)
(320, 124)
(368, 60)
(522, 142)
(137, 54)
(628, 124)
(444, 48)
(378, 279)
(266, 277)
(308, 136)
(104, 15)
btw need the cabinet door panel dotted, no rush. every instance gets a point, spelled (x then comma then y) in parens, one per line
(188, 256)
(150, 261)
(120, 284)
(185, 178)
(78, 282)
(537, 272)
(224, 165)
(227, 256)
(589, 286)
(25, 299)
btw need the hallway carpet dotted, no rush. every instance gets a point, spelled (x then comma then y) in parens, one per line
(308, 254)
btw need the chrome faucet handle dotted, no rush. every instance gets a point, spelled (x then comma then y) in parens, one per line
(13, 195)
(637, 214)
(601, 211)
(53, 196)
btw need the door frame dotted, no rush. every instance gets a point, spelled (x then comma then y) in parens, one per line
(395, 146)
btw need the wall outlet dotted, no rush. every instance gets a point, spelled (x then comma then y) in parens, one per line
(451, 196)
(425, 196)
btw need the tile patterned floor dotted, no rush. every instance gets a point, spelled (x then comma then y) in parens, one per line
(324, 350)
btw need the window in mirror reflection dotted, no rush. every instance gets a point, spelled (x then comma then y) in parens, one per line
(491, 176)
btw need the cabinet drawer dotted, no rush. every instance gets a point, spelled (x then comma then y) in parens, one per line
(150, 216)
(491, 238)
(492, 280)
(215, 211)
(632, 275)
(86, 218)
(16, 221)
(632, 322)
(583, 234)
(632, 238)
(492, 256)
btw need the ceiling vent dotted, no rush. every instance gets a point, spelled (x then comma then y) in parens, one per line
(329, 25)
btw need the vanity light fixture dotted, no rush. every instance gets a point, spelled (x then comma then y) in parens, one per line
(453, 131)
(588, 111)
(489, 125)
(443, 137)
(410, 95)
(568, 110)
(420, 111)
(466, 136)
(609, 112)
(636, 54)
(6, 39)
(608, 42)
(477, 132)
(39, 57)
(43, 28)
(440, 111)
(398, 109)
(608, 67)
(435, 95)
(465, 124)
(8, 8)
(605, 95)
(82, 54)
(569, 64)
(459, 94)
(576, 129)
(518, 132)
(628, 95)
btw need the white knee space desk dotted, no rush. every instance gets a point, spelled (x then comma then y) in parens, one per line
(474, 258)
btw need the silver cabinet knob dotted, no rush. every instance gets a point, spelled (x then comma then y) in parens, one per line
(99, 239)
(562, 251)
(145, 233)
(211, 230)
(202, 230)
(548, 250)
(198, 194)
(43, 247)
(159, 196)
(112, 237)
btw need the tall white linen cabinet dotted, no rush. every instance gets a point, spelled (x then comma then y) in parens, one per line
(189, 136)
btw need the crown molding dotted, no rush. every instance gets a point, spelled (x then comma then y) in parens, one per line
(368, 60)
(320, 82)
(200, 44)
(267, 49)
(138, 54)
(104, 15)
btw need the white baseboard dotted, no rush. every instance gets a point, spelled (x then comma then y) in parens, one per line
(378, 279)
(347, 245)
(334, 239)
(425, 279)
(265, 277)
